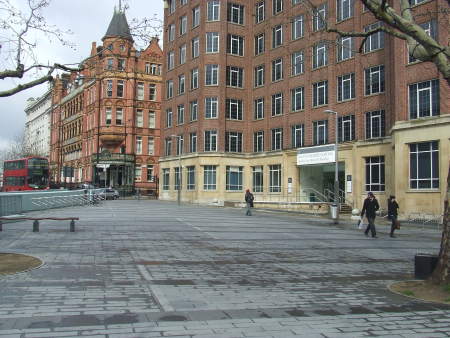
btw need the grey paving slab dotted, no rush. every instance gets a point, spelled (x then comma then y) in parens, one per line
(153, 269)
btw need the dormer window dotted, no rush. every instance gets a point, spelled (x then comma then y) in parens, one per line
(122, 48)
(110, 46)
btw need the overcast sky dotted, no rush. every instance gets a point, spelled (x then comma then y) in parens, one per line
(88, 20)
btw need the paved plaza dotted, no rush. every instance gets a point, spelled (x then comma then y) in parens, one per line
(154, 269)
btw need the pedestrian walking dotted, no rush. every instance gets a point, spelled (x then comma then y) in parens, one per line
(370, 208)
(393, 213)
(249, 202)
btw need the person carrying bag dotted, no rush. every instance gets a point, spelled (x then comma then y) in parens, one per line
(393, 214)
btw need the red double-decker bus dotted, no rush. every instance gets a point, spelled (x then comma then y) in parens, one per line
(29, 173)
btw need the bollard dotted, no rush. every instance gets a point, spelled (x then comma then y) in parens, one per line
(72, 226)
(36, 226)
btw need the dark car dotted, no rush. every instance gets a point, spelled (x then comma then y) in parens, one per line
(108, 194)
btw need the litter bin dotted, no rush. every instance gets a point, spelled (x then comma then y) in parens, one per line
(333, 211)
(424, 265)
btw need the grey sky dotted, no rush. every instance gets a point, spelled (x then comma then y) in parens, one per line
(88, 20)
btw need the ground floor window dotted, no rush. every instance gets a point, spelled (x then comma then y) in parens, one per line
(258, 179)
(209, 177)
(191, 178)
(137, 173)
(234, 178)
(275, 178)
(375, 173)
(424, 165)
(150, 176)
(166, 177)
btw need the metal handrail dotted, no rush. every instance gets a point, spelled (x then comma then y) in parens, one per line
(324, 198)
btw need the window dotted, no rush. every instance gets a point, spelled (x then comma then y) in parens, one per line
(277, 104)
(168, 146)
(259, 76)
(151, 145)
(259, 108)
(346, 87)
(139, 118)
(194, 78)
(183, 25)
(147, 68)
(110, 64)
(320, 55)
(424, 165)
(171, 34)
(319, 17)
(183, 2)
(297, 27)
(193, 142)
(155, 69)
(257, 178)
(176, 175)
(277, 6)
(320, 132)
(211, 75)
(344, 9)
(182, 54)
(121, 64)
(260, 12)
(345, 48)
(119, 116)
(235, 76)
(235, 13)
(108, 116)
(169, 116)
(120, 87)
(258, 141)
(190, 185)
(235, 45)
(195, 47)
(180, 144)
(233, 109)
(430, 28)
(234, 178)
(140, 91)
(374, 80)
(298, 135)
(374, 41)
(375, 124)
(416, 2)
(169, 86)
(172, 6)
(210, 140)
(150, 175)
(139, 145)
(297, 63)
(212, 42)
(196, 16)
(181, 84)
(152, 92)
(277, 69)
(193, 110)
(209, 177)
(213, 10)
(424, 99)
(109, 86)
(171, 60)
(259, 43)
(297, 99)
(180, 113)
(346, 128)
(320, 93)
(233, 142)
(137, 173)
(151, 119)
(277, 139)
(375, 173)
(211, 106)
(166, 176)
(275, 178)
(277, 36)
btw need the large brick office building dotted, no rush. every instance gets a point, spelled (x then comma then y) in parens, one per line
(106, 118)
(247, 84)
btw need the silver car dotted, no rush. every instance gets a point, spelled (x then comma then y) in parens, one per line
(108, 194)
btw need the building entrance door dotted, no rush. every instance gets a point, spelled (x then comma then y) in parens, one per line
(317, 181)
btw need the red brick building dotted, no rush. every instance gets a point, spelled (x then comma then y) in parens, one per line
(247, 87)
(106, 119)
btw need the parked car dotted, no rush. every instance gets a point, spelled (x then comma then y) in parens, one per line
(108, 194)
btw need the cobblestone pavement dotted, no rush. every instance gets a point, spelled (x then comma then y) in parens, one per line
(153, 269)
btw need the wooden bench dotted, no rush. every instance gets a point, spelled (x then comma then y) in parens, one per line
(37, 219)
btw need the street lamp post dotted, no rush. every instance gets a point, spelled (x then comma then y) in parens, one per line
(336, 165)
(180, 182)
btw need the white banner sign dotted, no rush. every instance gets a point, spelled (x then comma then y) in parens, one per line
(316, 155)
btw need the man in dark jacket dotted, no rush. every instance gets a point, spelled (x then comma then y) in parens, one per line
(392, 213)
(249, 201)
(370, 208)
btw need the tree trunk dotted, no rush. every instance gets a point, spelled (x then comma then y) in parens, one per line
(441, 272)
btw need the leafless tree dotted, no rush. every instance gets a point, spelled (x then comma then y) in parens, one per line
(18, 148)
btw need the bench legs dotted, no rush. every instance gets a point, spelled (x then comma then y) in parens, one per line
(36, 226)
(72, 226)
(1, 226)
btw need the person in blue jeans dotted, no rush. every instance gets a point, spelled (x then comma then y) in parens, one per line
(249, 201)
(370, 208)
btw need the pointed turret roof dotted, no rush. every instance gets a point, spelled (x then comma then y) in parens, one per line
(118, 27)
